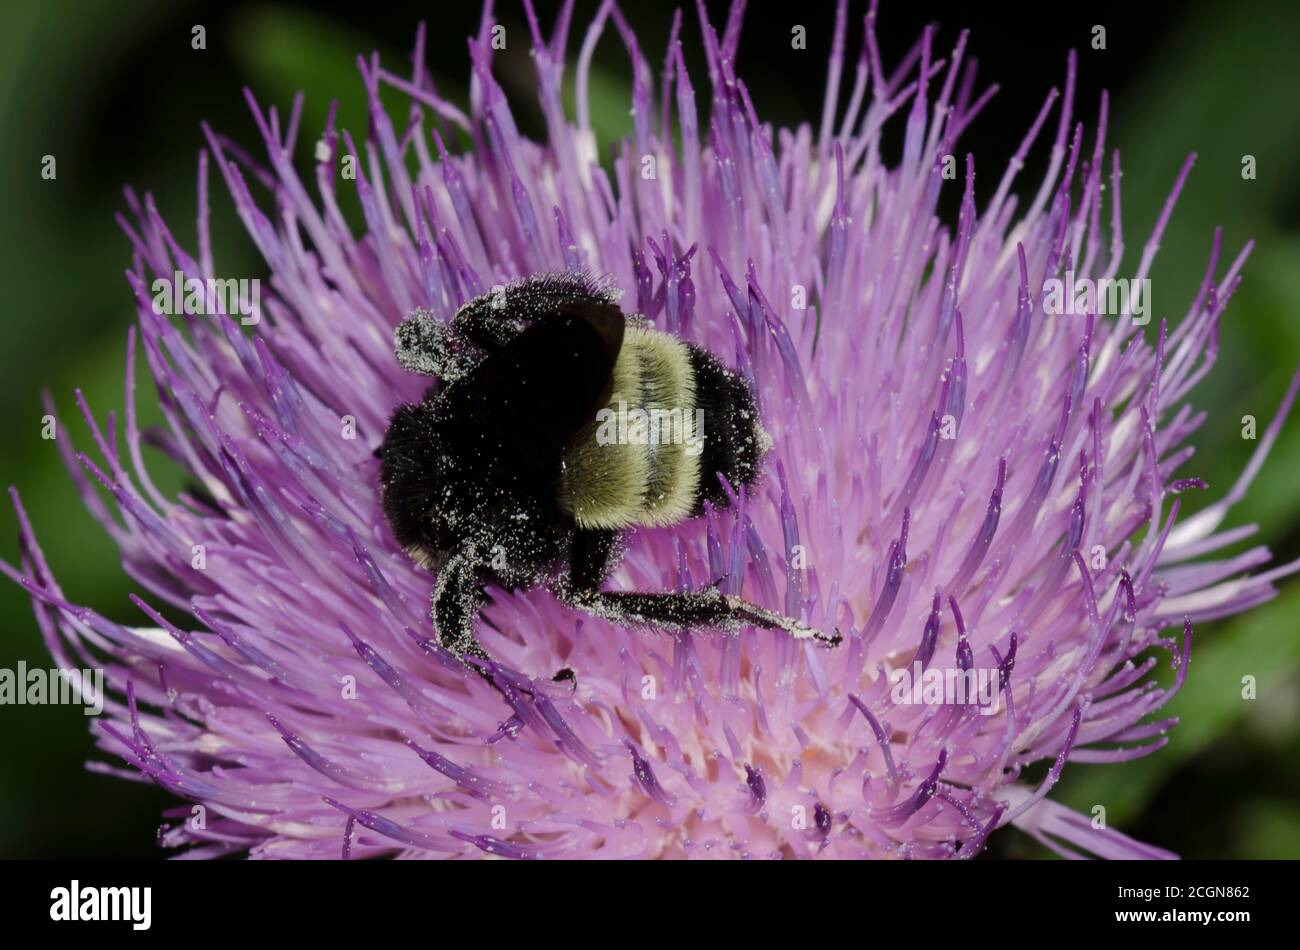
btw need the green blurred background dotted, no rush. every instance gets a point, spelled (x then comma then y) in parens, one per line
(115, 93)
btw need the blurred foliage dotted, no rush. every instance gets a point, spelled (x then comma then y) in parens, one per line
(116, 93)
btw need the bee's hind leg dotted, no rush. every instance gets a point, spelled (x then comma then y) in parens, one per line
(708, 608)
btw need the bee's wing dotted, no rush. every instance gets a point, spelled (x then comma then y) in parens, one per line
(493, 319)
(529, 398)
(450, 350)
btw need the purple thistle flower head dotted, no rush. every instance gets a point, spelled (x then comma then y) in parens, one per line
(979, 490)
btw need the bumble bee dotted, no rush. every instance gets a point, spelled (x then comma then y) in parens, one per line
(519, 468)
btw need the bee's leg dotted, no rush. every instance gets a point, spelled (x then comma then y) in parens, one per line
(457, 600)
(690, 609)
(424, 345)
(589, 563)
(590, 557)
(677, 611)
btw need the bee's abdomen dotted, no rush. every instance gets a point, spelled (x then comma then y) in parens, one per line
(702, 421)
(736, 441)
(639, 461)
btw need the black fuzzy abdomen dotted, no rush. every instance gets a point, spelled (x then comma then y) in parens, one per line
(734, 440)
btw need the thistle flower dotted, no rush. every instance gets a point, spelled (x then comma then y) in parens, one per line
(959, 482)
